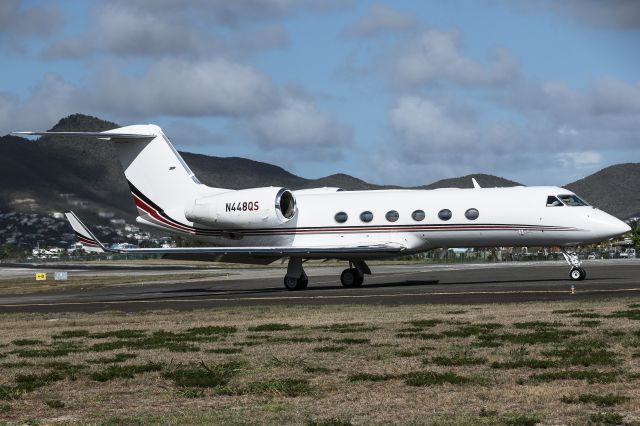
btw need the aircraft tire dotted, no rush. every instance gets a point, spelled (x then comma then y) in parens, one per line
(577, 274)
(293, 284)
(305, 280)
(351, 278)
(359, 280)
(583, 274)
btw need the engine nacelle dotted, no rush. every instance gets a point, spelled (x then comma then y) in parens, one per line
(245, 208)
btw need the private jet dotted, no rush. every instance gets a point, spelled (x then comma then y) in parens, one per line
(262, 225)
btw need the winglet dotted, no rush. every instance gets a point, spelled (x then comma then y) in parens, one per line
(476, 185)
(83, 234)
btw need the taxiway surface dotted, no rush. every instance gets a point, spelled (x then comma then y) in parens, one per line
(390, 284)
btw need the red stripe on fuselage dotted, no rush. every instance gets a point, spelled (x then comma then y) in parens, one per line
(156, 215)
(85, 239)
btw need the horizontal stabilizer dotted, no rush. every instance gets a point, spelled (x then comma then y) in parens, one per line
(101, 135)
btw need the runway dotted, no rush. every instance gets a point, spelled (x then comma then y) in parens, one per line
(390, 284)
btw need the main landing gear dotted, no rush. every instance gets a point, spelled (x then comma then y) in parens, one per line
(353, 276)
(296, 278)
(577, 272)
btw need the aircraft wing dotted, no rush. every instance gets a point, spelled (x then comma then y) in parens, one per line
(86, 237)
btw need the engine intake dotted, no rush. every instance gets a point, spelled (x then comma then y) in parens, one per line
(245, 208)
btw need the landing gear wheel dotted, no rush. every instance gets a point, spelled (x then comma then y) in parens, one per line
(577, 274)
(292, 283)
(583, 274)
(351, 278)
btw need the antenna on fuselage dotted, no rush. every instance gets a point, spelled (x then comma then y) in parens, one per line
(476, 185)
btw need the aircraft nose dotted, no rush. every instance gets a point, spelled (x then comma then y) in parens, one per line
(616, 227)
(606, 226)
(623, 228)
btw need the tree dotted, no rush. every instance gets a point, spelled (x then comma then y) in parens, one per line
(635, 233)
(12, 252)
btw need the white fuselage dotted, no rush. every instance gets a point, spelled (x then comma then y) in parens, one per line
(517, 216)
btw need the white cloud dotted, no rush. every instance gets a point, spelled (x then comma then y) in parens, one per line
(50, 100)
(162, 29)
(225, 13)
(423, 126)
(145, 32)
(433, 139)
(541, 141)
(380, 19)
(183, 88)
(19, 21)
(298, 125)
(435, 56)
(274, 119)
(566, 131)
(616, 14)
(605, 103)
(584, 159)
(42, 19)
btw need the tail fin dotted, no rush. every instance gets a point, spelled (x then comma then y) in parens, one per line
(83, 234)
(159, 179)
(156, 173)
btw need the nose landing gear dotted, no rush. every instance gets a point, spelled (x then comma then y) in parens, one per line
(577, 272)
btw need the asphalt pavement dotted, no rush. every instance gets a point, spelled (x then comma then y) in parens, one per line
(389, 284)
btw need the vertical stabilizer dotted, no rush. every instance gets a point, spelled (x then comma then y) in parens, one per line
(154, 169)
(161, 183)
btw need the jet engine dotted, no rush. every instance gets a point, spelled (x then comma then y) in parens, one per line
(245, 208)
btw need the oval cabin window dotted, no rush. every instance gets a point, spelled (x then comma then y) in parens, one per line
(366, 216)
(341, 217)
(418, 215)
(444, 214)
(392, 216)
(472, 214)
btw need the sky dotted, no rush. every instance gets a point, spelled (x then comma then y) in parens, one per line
(405, 92)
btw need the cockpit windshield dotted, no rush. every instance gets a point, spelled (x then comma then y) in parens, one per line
(553, 202)
(572, 200)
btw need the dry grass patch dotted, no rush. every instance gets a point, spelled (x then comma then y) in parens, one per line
(325, 349)
(606, 418)
(124, 371)
(202, 375)
(607, 400)
(121, 357)
(590, 376)
(302, 364)
(272, 327)
(433, 378)
(280, 387)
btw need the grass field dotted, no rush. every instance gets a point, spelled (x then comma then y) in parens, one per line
(515, 364)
